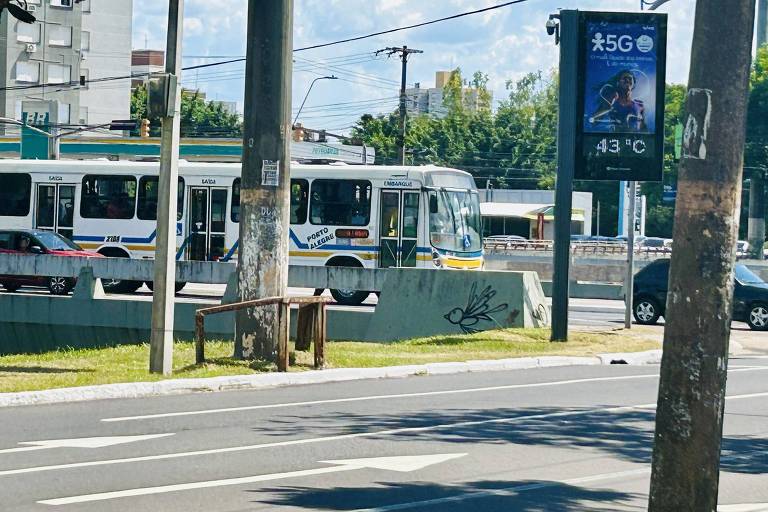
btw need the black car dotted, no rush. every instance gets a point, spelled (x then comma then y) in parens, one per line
(649, 298)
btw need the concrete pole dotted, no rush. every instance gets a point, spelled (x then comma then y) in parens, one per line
(756, 220)
(566, 156)
(694, 367)
(161, 343)
(629, 282)
(262, 269)
(403, 109)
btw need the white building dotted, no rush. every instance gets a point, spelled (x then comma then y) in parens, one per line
(430, 100)
(68, 43)
(530, 213)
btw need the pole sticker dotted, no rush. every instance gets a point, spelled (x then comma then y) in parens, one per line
(698, 104)
(270, 173)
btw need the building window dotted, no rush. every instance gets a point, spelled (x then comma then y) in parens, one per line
(28, 72)
(59, 74)
(64, 113)
(67, 4)
(148, 198)
(85, 75)
(15, 190)
(59, 35)
(341, 202)
(108, 197)
(28, 32)
(85, 41)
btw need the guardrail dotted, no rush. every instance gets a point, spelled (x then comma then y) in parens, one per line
(584, 248)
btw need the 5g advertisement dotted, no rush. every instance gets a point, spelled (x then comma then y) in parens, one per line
(620, 128)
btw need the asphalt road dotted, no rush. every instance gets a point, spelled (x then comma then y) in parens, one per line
(550, 439)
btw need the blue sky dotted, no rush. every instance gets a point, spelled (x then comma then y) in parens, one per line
(505, 43)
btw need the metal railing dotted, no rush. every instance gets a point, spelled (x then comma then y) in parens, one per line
(311, 326)
(585, 248)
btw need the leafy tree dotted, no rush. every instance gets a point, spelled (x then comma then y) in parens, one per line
(198, 117)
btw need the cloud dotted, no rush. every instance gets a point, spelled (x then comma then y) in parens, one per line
(505, 43)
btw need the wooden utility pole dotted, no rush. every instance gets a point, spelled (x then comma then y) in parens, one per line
(404, 53)
(689, 417)
(164, 283)
(262, 269)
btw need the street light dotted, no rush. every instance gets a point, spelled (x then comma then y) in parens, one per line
(332, 77)
(652, 4)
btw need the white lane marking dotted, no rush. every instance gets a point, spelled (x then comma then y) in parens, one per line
(745, 507)
(379, 397)
(404, 464)
(403, 395)
(342, 437)
(84, 442)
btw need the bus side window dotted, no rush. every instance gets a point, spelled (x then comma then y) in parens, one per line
(147, 209)
(299, 200)
(108, 197)
(340, 202)
(15, 193)
(236, 200)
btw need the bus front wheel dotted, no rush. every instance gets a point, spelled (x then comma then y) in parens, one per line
(347, 297)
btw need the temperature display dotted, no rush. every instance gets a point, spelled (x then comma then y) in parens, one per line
(619, 146)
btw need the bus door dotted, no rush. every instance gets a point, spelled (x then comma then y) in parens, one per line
(398, 228)
(207, 223)
(55, 208)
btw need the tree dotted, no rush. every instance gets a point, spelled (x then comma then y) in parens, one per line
(198, 117)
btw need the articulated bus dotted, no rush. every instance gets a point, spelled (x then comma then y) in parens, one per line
(341, 215)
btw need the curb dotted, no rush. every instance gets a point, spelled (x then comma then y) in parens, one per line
(271, 380)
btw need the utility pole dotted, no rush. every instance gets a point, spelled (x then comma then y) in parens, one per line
(163, 298)
(756, 220)
(404, 53)
(262, 269)
(689, 417)
(630, 278)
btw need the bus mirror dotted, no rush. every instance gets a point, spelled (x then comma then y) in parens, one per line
(432, 203)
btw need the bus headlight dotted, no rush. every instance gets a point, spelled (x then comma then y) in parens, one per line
(436, 260)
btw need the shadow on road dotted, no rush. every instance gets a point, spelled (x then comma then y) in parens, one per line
(626, 434)
(486, 496)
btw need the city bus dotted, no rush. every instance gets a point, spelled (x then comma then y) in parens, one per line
(340, 215)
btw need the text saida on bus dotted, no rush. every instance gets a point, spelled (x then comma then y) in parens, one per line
(340, 215)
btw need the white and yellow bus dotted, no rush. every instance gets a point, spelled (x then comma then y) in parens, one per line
(341, 215)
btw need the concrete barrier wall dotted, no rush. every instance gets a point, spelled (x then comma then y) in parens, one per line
(413, 303)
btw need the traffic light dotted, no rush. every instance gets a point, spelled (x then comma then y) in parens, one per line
(144, 132)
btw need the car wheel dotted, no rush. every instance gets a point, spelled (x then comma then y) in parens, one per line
(757, 318)
(11, 287)
(646, 311)
(59, 285)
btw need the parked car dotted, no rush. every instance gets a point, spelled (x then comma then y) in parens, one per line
(33, 242)
(742, 249)
(649, 298)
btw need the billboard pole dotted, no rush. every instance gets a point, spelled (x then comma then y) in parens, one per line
(566, 151)
(629, 283)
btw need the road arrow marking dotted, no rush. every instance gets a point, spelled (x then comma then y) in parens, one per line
(401, 464)
(84, 442)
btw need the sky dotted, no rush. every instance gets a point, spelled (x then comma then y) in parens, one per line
(505, 44)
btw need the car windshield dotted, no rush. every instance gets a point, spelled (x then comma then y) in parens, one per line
(746, 276)
(455, 226)
(55, 242)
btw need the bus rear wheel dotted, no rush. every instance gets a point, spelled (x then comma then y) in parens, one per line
(347, 297)
(179, 285)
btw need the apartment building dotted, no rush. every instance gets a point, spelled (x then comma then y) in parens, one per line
(71, 42)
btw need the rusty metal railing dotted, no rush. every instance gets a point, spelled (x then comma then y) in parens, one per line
(311, 326)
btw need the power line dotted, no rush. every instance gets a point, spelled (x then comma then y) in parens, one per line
(313, 47)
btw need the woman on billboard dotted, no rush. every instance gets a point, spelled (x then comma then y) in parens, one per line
(616, 109)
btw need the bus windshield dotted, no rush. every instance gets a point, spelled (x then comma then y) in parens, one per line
(454, 220)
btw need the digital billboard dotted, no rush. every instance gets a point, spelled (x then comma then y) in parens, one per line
(620, 127)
